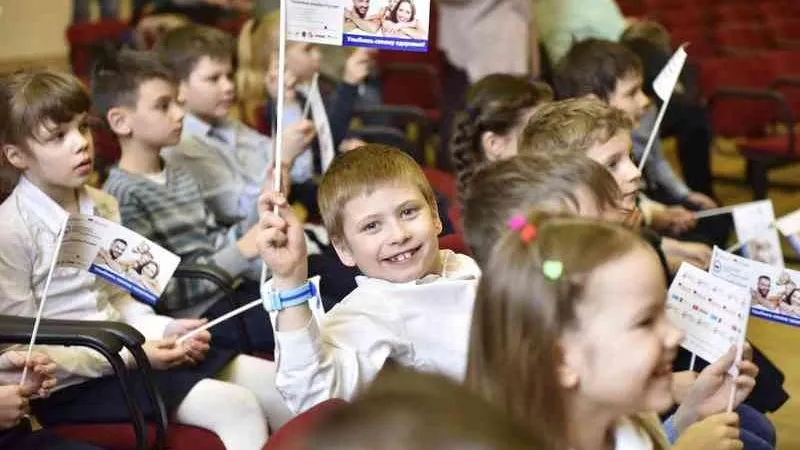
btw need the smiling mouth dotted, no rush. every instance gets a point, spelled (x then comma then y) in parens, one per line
(404, 256)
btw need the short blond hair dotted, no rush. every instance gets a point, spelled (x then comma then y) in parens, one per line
(575, 125)
(361, 171)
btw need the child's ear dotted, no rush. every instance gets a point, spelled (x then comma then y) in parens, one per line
(437, 221)
(568, 367)
(182, 87)
(118, 121)
(493, 145)
(343, 250)
(15, 156)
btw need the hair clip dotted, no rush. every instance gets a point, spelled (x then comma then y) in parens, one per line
(472, 111)
(553, 269)
(527, 232)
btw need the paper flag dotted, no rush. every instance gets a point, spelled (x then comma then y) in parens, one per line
(667, 79)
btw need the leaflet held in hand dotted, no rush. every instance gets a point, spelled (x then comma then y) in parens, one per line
(712, 312)
(772, 290)
(118, 255)
(754, 225)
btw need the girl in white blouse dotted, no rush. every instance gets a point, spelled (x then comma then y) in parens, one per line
(44, 134)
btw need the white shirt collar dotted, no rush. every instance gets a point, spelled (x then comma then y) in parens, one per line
(51, 213)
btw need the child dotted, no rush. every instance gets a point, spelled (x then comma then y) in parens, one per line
(405, 410)
(45, 135)
(412, 304)
(302, 63)
(573, 183)
(590, 127)
(228, 159)
(556, 304)
(497, 107)
(612, 73)
(136, 97)
(561, 181)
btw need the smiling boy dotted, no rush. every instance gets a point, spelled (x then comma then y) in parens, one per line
(413, 304)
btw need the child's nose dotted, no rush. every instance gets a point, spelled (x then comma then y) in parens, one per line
(400, 233)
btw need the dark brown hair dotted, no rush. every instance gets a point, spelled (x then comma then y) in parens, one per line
(593, 66)
(117, 77)
(496, 103)
(30, 99)
(393, 15)
(500, 189)
(404, 410)
(183, 47)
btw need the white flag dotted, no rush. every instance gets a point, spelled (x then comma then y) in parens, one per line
(666, 80)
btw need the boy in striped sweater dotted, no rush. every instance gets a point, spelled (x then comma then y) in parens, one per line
(137, 98)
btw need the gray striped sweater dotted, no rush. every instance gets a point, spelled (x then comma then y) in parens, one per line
(174, 216)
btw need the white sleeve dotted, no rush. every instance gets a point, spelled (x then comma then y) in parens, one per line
(138, 315)
(334, 359)
(17, 299)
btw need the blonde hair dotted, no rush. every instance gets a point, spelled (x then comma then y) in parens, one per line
(574, 125)
(520, 315)
(361, 171)
(257, 40)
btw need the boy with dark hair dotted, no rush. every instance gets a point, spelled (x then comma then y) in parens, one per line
(137, 98)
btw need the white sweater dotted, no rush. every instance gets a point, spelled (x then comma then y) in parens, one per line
(423, 325)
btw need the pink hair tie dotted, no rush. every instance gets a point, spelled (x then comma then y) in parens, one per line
(527, 232)
(516, 223)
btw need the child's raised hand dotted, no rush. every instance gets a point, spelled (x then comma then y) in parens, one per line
(165, 354)
(296, 138)
(14, 404)
(709, 393)
(718, 432)
(282, 242)
(357, 66)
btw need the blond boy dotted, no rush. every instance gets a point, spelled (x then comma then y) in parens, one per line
(412, 305)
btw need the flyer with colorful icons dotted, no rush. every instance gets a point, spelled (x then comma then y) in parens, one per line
(712, 312)
(773, 291)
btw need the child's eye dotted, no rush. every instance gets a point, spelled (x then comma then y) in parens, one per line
(370, 226)
(409, 212)
(646, 323)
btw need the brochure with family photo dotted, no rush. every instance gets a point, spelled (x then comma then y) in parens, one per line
(773, 290)
(118, 255)
(384, 24)
(755, 226)
(712, 312)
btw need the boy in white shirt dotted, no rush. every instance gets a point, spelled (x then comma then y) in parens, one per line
(413, 304)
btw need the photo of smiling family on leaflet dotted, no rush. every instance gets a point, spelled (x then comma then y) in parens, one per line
(396, 18)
